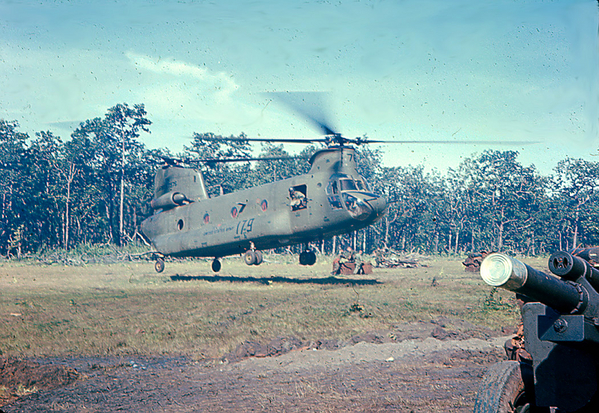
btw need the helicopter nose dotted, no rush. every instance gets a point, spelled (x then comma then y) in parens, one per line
(379, 207)
(365, 209)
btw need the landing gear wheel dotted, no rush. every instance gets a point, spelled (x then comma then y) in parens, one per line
(303, 258)
(259, 258)
(502, 390)
(159, 265)
(216, 265)
(307, 258)
(249, 257)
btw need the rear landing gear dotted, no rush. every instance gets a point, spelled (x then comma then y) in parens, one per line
(159, 265)
(259, 258)
(253, 257)
(249, 257)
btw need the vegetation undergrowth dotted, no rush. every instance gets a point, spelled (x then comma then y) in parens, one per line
(126, 308)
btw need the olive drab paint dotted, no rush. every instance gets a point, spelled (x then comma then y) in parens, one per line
(331, 199)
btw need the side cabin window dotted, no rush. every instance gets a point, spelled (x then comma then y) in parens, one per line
(298, 197)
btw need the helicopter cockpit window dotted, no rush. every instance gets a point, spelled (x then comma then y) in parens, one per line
(347, 185)
(332, 194)
(335, 201)
(362, 185)
(298, 197)
(332, 188)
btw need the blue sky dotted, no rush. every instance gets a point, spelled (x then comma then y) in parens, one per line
(398, 70)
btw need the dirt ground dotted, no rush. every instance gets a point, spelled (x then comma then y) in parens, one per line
(417, 367)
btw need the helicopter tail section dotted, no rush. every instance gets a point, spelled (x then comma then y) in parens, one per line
(175, 186)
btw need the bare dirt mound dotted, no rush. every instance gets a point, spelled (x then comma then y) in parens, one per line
(425, 374)
(19, 378)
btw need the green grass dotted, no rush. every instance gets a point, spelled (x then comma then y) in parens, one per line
(130, 309)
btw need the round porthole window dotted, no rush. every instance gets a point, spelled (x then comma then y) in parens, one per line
(234, 212)
(264, 205)
(180, 224)
(206, 218)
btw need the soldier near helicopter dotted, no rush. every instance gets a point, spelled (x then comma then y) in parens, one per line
(298, 199)
(345, 261)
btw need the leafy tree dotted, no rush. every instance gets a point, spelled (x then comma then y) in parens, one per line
(221, 177)
(41, 191)
(116, 152)
(503, 197)
(576, 183)
(12, 150)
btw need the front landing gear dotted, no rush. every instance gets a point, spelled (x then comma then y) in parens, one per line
(307, 257)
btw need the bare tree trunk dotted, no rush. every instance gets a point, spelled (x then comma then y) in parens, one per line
(67, 215)
(560, 241)
(386, 231)
(457, 240)
(500, 234)
(575, 237)
(121, 206)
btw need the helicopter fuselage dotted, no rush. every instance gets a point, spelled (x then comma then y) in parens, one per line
(331, 199)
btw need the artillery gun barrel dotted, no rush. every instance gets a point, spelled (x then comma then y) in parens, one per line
(499, 270)
(571, 267)
(587, 254)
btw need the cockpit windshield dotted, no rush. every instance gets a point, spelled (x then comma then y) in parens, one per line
(342, 182)
(362, 185)
(338, 187)
(347, 185)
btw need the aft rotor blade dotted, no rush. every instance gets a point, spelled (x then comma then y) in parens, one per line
(282, 140)
(257, 159)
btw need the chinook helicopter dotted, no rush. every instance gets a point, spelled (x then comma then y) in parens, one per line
(331, 199)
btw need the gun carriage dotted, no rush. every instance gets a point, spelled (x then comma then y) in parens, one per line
(561, 334)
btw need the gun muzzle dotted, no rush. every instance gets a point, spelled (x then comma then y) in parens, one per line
(571, 267)
(499, 270)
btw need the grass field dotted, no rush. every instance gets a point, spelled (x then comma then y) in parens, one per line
(127, 308)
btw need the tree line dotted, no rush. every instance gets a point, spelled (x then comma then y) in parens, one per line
(95, 188)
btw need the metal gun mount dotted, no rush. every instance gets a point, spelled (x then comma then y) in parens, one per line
(561, 334)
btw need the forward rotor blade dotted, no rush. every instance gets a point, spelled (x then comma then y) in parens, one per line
(460, 142)
(309, 105)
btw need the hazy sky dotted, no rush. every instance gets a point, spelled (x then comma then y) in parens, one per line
(399, 70)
